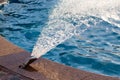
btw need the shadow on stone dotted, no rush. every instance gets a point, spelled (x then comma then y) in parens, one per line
(30, 69)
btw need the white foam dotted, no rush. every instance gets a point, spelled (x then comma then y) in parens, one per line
(60, 28)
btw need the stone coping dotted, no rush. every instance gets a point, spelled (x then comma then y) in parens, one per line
(12, 56)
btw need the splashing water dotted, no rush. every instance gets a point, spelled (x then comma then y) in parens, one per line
(67, 18)
(81, 34)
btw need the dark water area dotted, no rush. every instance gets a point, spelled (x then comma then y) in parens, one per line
(96, 50)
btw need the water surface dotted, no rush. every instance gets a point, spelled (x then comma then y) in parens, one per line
(97, 49)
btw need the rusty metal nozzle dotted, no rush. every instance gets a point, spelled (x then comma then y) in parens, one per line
(27, 63)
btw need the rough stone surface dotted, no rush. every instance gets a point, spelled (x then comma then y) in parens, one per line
(13, 61)
(3, 1)
(8, 48)
(11, 57)
(99, 77)
(6, 74)
(55, 71)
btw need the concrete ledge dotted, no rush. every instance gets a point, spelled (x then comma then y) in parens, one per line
(56, 71)
(12, 56)
(3, 1)
(8, 48)
(6, 74)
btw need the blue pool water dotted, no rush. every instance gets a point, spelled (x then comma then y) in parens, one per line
(97, 49)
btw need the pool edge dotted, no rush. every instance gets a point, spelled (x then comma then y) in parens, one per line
(51, 70)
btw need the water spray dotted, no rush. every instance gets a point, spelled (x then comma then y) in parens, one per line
(66, 19)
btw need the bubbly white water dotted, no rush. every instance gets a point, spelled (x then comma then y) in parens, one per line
(67, 18)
